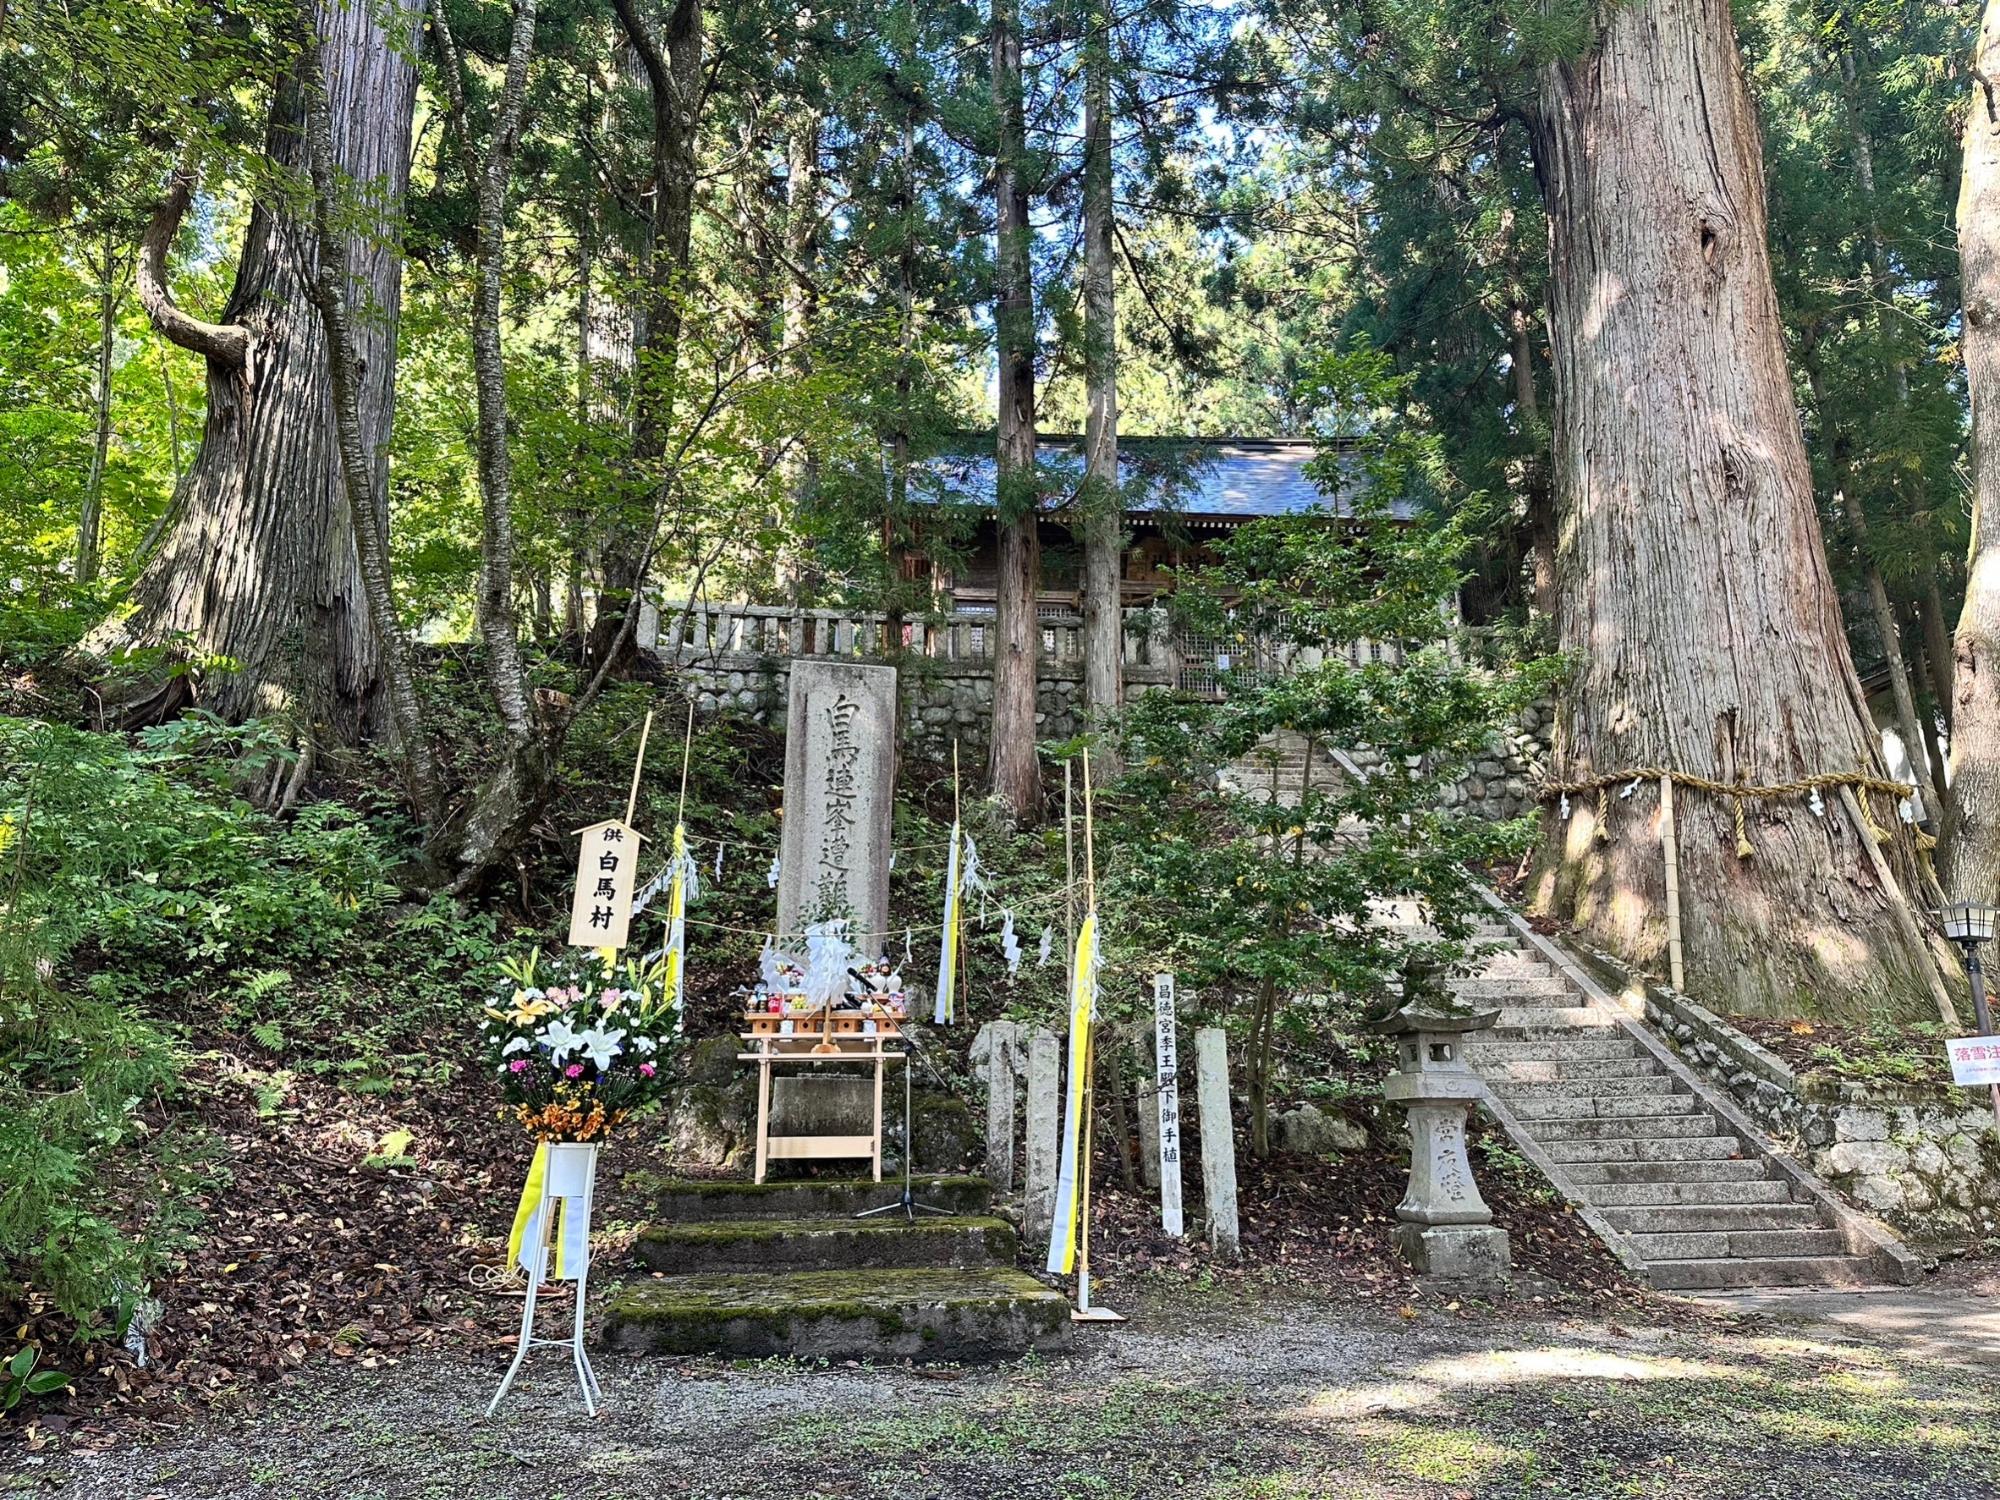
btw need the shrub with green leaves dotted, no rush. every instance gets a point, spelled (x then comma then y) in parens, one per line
(1268, 901)
(19, 1377)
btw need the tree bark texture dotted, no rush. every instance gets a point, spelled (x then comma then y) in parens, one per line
(1695, 597)
(332, 290)
(1969, 853)
(1103, 510)
(1012, 766)
(671, 57)
(514, 793)
(90, 521)
(257, 562)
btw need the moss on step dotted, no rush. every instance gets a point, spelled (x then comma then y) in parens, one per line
(684, 1200)
(732, 1187)
(728, 1244)
(915, 1313)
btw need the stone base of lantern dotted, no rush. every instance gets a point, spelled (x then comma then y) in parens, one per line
(1475, 1254)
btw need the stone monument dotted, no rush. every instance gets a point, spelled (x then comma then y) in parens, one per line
(1446, 1230)
(840, 749)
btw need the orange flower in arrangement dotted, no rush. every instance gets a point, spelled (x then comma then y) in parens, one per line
(572, 1115)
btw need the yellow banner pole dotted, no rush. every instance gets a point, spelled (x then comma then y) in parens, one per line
(1084, 1312)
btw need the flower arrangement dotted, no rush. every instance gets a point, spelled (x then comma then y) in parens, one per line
(577, 1042)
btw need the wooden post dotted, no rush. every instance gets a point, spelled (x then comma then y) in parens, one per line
(1670, 847)
(639, 764)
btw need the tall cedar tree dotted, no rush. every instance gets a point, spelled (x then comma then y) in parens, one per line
(1696, 601)
(256, 570)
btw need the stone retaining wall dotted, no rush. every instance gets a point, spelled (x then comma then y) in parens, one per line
(941, 701)
(1927, 1160)
(1501, 784)
(944, 700)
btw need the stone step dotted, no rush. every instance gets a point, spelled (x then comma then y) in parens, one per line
(920, 1314)
(1588, 1175)
(704, 1200)
(1788, 1270)
(1512, 988)
(1552, 1020)
(1623, 1127)
(1686, 1148)
(1665, 1193)
(1518, 1070)
(1601, 1088)
(825, 1244)
(1536, 1101)
(1569, 1049)
(1507, 961)
(1728, 1217)
(1743, 1244)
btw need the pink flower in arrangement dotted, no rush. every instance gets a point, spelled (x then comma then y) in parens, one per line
(574, 1070)
(518, 1065)
(647, 1070)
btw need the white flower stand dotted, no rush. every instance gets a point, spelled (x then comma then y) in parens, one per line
(569, 1178)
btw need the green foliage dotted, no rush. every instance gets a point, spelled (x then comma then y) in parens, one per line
(1259, 897)
(19, 1377)
(1884, 1051)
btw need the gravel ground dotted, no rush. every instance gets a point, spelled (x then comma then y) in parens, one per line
(1224, 1396)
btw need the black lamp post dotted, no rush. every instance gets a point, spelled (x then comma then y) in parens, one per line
(1968, 924)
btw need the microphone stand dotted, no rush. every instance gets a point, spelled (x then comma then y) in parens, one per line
(908, 1205)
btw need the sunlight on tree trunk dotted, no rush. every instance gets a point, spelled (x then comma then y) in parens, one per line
(255, 571)
(1969, 855)
(1695, 596)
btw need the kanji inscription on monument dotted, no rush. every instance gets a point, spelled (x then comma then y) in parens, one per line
(839, 766)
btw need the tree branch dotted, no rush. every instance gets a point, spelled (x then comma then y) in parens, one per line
(224, 343)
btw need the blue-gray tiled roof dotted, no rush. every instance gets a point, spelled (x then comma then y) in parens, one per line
(1223, 479)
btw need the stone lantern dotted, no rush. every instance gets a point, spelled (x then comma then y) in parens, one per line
(1446, 1230)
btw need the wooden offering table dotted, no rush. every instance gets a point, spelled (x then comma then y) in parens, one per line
(816, 1038)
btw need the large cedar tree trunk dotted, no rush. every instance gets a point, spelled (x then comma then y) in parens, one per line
(1011, 764)
(1969, 854)
(1694, 592)
(257, 561)
(1103, 605)
(671, 56)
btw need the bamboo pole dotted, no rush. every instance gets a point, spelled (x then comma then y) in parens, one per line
(1670, 849)
(687, 754)
(639, 764)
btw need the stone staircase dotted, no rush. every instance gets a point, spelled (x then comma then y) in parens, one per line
(1681, 1186)
(1688, 1189)
(784, 1268)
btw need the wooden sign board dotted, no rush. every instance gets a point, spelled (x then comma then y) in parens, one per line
(1975, 1060)
(600, 914)
(1166, 1054)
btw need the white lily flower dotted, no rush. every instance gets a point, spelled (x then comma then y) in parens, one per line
(519, 1044)
(600, 1046)
(560, 1038)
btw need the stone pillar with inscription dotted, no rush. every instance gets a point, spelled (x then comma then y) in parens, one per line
(840, 746)
(1446, 1230)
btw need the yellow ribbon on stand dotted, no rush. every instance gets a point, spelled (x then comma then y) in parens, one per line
(525, 1214)
(1082, 1005)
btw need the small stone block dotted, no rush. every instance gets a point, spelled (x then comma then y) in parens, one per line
(1476, 1254)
